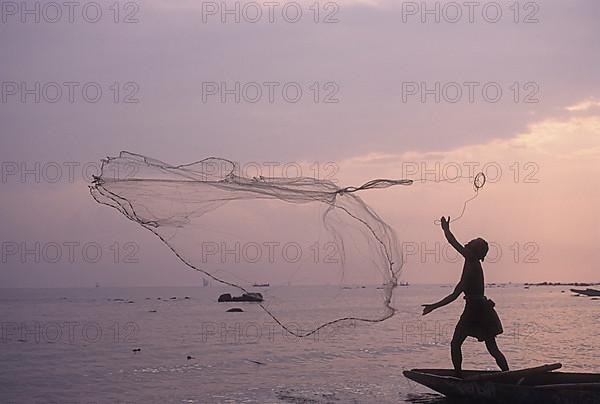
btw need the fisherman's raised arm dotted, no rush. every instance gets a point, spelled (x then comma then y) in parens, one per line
(445, 223)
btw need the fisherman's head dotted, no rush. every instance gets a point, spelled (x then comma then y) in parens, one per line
(478, 248)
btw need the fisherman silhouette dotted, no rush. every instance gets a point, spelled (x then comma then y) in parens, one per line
(479, 318)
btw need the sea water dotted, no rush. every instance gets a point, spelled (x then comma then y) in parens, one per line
(131, 345)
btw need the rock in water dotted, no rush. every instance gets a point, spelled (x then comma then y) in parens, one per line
(246, 297)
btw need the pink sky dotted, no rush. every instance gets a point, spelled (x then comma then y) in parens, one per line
(549, 213)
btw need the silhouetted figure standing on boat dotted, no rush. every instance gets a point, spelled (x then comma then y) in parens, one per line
(479, 319)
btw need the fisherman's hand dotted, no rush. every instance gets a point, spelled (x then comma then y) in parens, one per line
(428, 308)
(445, 223)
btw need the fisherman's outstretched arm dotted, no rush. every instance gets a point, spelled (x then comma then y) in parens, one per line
(451, 297)
(427, 308)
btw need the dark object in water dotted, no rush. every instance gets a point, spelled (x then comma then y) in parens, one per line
(261, 285)
(187, 298)
(246, 297)
(190, 357)
(235, 310)
(152, 311)
(562, 284)
(174, 298)
(534, 385)
(587, 292)
(136, 349)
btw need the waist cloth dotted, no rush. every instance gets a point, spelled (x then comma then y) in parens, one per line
(479, 318)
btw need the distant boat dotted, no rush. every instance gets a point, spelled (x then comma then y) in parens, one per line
(403, 284)
(97, 285)
(261, 285)
(587, 292)
(534, 385)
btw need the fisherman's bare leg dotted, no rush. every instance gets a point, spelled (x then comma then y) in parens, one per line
(493, 349)
(455, 350)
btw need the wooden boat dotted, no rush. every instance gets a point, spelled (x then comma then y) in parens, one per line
(587, 292)
(526, 386)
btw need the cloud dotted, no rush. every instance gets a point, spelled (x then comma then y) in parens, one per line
(584, 105)
(540, 193)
